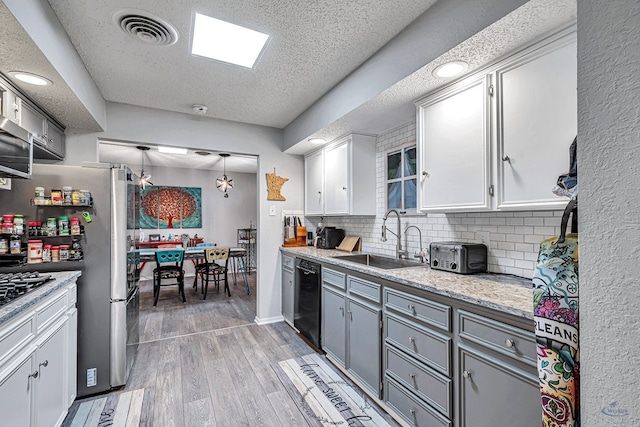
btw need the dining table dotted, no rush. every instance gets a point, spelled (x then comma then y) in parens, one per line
(196, 255)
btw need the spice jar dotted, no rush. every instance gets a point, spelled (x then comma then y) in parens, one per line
(51, 227)
(64, 252)
(4, 246)
(56, 197)
(46, 253)
(18, 224)
(67, 191)
(75, 252)
(14, 245)
(63, 226)
(55, 253)
(35, 251)
(7, 228)
(39, 193)
(75, 226)
(76, 197)
(85, 198)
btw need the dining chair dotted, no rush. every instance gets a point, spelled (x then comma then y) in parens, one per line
(211, 268)
(168, 268)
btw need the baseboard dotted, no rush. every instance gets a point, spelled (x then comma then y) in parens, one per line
(268, 320)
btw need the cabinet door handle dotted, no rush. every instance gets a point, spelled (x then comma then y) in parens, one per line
(34, 375)
(510, 343)
(412, 412)
(506, 158)
(412, 376)
(411, 307)
(319, 192)
(344, 188)
(425, 174)
(45, 363)
(342, 311)
(466, 374)
(350, 314)
(412, 340)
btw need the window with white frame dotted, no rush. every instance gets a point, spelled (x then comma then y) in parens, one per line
(401, 177)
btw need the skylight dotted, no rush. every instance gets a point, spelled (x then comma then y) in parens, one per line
(222, 41)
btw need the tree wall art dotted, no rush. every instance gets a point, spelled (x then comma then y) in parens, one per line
(171, 207)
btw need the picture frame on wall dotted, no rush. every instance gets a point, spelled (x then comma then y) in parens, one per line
(154, 237)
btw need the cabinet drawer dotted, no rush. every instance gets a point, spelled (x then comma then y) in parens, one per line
(55, 307)
(15, 336)
(334, 278)
(417, 308)
(497, 336)
(411, 409)
(428, 346)
(429, 385)
(287, 262)
(364, 288)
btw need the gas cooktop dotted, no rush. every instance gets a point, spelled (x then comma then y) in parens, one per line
(15, 285)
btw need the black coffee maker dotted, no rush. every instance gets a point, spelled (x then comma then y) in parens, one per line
(329, 237)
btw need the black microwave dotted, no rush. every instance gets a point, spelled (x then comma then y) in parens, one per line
(16, 150)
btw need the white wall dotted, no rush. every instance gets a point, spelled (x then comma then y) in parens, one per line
(609, 173)
(514, 236)
(144, 125)
(221, 216)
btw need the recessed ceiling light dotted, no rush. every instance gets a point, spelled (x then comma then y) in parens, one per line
(317, 140)
(172, 150)
(450, 69)
(226, 42)
(30, 78)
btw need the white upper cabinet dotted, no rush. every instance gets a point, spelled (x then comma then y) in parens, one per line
(537, 121)
(314, 183)
(340, 179)
(454, 148)
(499, 139)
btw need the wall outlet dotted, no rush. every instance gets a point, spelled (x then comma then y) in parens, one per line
(92, 377)
(483, 237)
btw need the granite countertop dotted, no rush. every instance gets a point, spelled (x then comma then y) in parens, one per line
(12, 309)
(509, 294)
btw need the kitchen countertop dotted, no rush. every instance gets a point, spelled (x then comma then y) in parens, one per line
(62, 278)
(509, 294)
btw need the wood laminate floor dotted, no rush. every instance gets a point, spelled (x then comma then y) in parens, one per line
(206, 363)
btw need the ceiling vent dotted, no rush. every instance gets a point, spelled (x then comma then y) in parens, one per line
(146, 27)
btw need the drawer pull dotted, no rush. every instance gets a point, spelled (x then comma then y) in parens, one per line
(466, 374)
(45, 363)
(412, 340)
(34, 375)
(412, 412)
(412, 307)
(510, 343)
(412, 376)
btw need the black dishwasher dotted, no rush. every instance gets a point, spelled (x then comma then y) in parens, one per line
(306, 317)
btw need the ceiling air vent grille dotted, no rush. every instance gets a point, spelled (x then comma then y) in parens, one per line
(146, 27)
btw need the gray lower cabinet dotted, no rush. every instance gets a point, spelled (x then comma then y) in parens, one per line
(351, 319)
(333, 329)
(288, 289)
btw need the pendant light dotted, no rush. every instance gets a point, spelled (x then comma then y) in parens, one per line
(145, 179)
(224, 183)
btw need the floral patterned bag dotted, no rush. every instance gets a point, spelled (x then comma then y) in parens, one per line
(555, 302)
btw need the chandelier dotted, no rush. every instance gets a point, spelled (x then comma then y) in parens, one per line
(224, 183)
(145, 179)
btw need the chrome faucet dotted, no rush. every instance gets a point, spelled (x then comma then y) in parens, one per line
(399, 252)
(420, 254)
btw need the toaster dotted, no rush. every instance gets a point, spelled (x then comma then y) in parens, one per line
(458, 257)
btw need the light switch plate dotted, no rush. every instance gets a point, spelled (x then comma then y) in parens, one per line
(272, 210)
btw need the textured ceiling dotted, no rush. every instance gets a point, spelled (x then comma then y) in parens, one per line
(313, 46)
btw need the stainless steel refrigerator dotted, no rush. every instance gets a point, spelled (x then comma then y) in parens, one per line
(108, 290)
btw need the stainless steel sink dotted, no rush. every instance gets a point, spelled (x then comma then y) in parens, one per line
(378, 261)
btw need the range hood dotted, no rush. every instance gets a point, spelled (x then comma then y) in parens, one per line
(42, 152)
(16, 150)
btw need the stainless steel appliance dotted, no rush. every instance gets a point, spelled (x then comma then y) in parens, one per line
(16, 284)
(330, 237)
(458, 257)
(16, 150)
(108, 294)
(306, 316)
